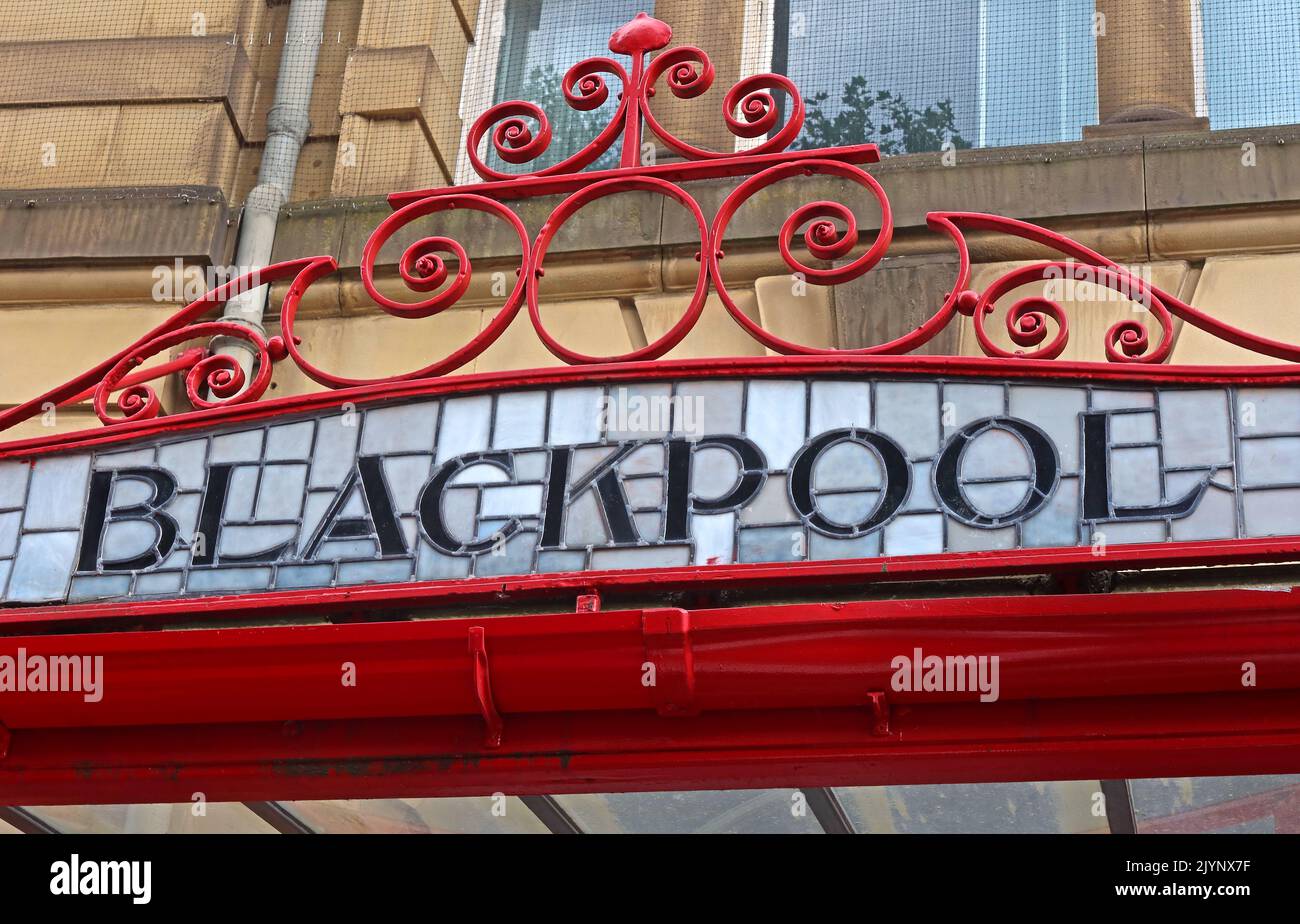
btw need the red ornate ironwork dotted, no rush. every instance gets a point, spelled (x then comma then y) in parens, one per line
(440, 268)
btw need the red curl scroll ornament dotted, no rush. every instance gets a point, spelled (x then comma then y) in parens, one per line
(423, 268)
(1126, 342)
(514, 140)
(690, 73)
(823, 239)
(1026, 321)
(564, 212)
(221, 375)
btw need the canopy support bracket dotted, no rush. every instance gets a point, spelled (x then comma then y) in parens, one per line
(667, 639)
(483, 687)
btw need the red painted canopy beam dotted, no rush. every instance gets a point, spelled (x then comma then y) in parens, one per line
(1089, 687)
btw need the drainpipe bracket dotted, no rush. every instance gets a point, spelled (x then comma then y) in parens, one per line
(248, 323)
(289, 119)
(234, 346)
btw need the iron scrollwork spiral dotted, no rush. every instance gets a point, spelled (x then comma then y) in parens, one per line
(218, 375)
(690, 73)
(510, 126)
(423, 267)
(564, 212)
(1027, 319)
(823, 239)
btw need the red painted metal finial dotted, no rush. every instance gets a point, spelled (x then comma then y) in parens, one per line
(643, 33)
(519, 131)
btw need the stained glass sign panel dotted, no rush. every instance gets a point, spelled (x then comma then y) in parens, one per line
(648, 475)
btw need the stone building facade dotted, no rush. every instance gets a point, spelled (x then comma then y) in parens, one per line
(158, 133)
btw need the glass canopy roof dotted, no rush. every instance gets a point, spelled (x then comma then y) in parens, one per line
(1256, 804)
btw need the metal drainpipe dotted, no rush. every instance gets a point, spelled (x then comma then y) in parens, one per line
(286, 130)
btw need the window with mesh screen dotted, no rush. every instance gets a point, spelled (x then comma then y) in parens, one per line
(1247, 59)
(912, 75)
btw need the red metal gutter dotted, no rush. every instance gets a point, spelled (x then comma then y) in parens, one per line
(800, 695)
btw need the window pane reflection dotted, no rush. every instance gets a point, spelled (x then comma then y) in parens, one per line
(1249, 54)
(159, 818)
(1073, 807)
(1218, 805)
(976, 74)
(478, 815)
(770, 811)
